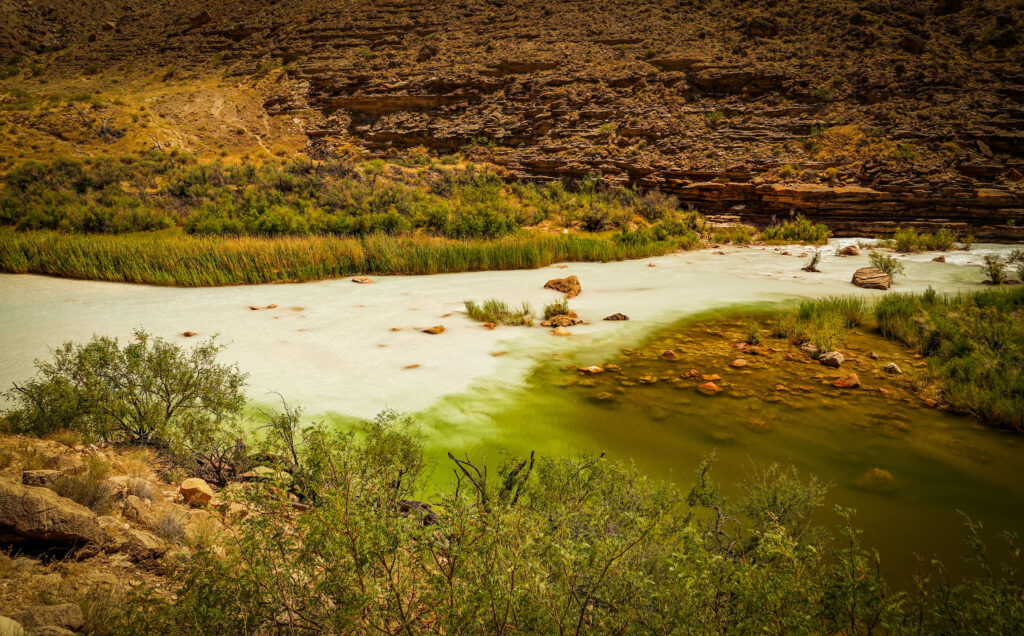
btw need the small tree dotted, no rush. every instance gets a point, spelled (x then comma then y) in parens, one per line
(994, 269)
(888, 264)
(150, 391)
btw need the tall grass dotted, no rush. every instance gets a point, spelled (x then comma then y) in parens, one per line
(798, 230)
(559, 307)
(499, 313)
(974, 343)
(174, 258)
(822, 322)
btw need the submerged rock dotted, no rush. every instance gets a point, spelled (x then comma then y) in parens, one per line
(847, 382)
(832, 359)
(892, 369)
(563, 320)
(876, 479)
(738, 363)
(570, 286)
(560, 331)
(849, 250)
(709, 388)
(362, 280)
(871, 278)
(669, 354)
(435, 330)
(617, 316)
(591, 370)
(939, 259)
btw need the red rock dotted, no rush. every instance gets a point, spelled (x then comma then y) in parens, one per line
(489, 325)
(570, 286)
(612, 367)
(711, 378)
(930, 402)
(196, 491)
(362, 280)
(738, 363)
(434, 330)
(271, 306)
(884, 391)
(189, 334)
(669, 354)
(847, 382)
(412, 366)
(781, 387)
(692, 373)
(254, 307)
(709, 387)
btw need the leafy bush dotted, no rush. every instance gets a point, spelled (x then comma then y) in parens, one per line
(908, 240)
(149, 391)
(994, 268)
(798, 230)
(888, 264)
(543, 546)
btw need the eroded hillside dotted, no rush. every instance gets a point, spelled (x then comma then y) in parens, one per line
(863, 115)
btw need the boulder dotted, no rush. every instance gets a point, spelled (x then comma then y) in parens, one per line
(669, 354)
(892, 369)
(66, 615)
(39, 514)
(138, 545)
(139, 511)
(939, 259)
(847, 382)
(196, 491)
(617, 316)
(10, 627)
(40, 477)
(832, 359)
(849, 250)
(564, 320)
(435, 330)
(570, 286)
(871, 278)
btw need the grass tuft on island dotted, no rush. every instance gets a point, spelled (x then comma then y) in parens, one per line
(174, 258)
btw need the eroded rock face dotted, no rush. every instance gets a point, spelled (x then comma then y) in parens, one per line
(871, 278)
(570, 286)
(30, 513)
(43, 478)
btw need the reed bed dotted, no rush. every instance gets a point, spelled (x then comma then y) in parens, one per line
(175, 258)
(498, 312)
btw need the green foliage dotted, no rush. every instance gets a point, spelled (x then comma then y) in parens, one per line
(798, 230)
(974, 343)
(543, 546)
(559, 307)
(738, 234)
(752, 331)
(498, 312)
(149, 391)
(822, 322)
(908, 240)
(888, 264)
(994, 268)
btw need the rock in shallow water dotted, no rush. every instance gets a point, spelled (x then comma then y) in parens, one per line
(570, 286)
(871, 278)
(832, 359)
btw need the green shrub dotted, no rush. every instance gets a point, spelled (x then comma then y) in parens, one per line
(994, 268)
(888, 264)
(908, 240)
(149, 391)
(799, 230)
(499, 313)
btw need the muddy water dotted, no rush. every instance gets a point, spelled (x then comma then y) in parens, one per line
(774, 409)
